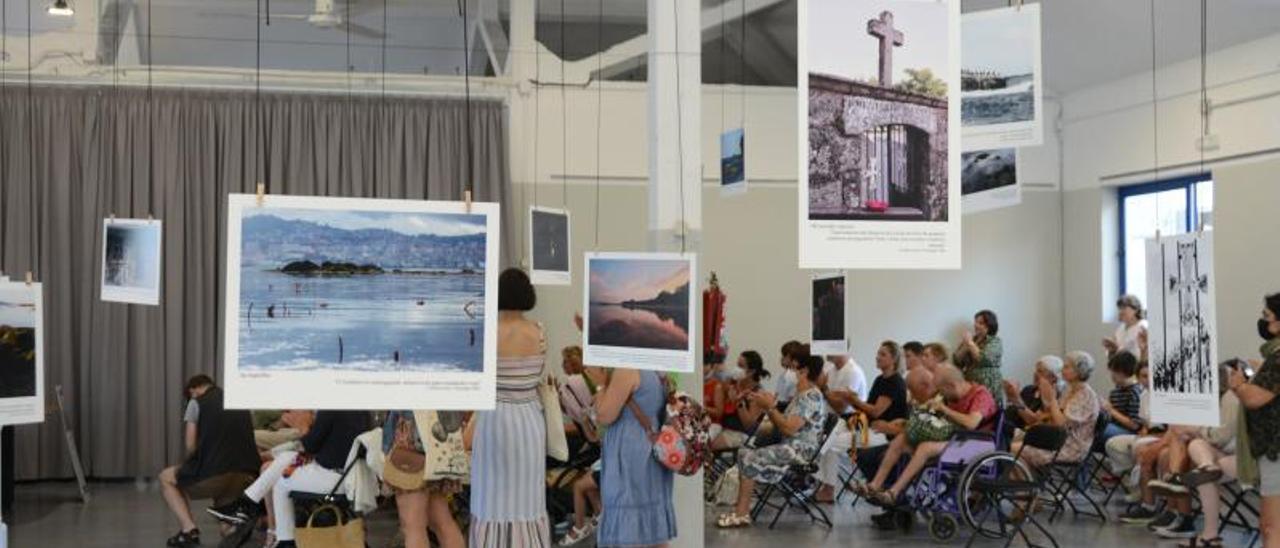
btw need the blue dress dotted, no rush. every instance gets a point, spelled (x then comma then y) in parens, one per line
(635, 489)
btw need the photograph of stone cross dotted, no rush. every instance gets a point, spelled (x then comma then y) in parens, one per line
(878, 112)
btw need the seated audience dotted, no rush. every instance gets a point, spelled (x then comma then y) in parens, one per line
(424, 506)
(984, 343)
(314, 469)
(934, 355)
(1124, 404)
(272, 429)
(799, 430)
(1025, 406)
(888, 402)
(785, 389)
(577, 390)
(586, 497)
(733, 415)
(913, 355)
(1122, 450)
(969, 406)
(1131, 328)
(1077, 412)
(221, 457)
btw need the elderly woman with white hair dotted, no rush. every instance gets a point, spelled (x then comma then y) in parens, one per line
(1025, 406)
(1076, 411)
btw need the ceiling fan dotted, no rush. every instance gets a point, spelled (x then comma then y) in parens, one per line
(328, 14)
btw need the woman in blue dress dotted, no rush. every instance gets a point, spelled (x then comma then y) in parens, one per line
(635, 488)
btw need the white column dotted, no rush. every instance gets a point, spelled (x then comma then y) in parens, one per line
(521, 70)
(675, 181)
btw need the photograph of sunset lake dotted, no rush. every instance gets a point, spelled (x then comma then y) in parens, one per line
(361, 291)
(639, 303)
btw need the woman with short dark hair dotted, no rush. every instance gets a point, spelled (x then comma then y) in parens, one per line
(1262, 417)
(508, 459)
(984, 343)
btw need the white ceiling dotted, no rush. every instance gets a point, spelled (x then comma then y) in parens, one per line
(1090, 42)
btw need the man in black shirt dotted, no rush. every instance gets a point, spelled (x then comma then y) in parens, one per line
(221, 457)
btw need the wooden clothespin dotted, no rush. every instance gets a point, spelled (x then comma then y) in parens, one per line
(1157, 236)
(150, 217)
(466, 197)
(262, 193)
(30, 279)
(113, 216)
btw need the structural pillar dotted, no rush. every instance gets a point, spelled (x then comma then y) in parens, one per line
(675, 183)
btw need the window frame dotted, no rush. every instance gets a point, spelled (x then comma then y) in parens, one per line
(1191, 217)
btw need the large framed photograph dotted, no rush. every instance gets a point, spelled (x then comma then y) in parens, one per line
(131, 261)
(21, 353)
(549, 250)
(1182, 339)
(638, 311)
(345, 303)
(989, 180)
(880, 116)
(1001, 92)
(827, 315)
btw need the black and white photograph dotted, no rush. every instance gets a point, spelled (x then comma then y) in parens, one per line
(1001, 94)
(131, 261)
(376, 304)
(880, 163)
(1182, 334)
(638, 309)
(549, 242)
(21, 353)
(989, 180)
(827, 315)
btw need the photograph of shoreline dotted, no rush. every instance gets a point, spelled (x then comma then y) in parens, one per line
(131, 261)
(639, 303)
(1000, 78)
(324, 289)
(21, 353)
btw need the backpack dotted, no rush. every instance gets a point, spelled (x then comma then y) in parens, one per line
(683, 444)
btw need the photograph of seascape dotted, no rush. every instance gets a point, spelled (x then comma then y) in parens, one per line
(347, 290)
(639, 303)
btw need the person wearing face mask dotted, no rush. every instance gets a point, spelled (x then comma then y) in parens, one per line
(735, 416)
(1259, 458)
(1132, 324)
(785, 389)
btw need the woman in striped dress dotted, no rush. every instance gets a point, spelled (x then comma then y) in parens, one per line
(508, 459)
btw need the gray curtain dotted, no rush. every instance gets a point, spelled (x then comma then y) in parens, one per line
(72, 156)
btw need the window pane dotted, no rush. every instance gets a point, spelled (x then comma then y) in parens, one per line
(1144, 215)
(1204, 203)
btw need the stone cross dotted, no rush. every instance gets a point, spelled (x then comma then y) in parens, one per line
(882, 28)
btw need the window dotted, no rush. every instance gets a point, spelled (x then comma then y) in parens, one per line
(1174, 206)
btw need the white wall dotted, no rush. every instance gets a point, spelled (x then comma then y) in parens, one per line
(1245, 262)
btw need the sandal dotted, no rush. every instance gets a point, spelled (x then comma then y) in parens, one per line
(733, 521)
(1200, 476)
(576, 534)
(1197, 542)
(884, 498)
(861, 489)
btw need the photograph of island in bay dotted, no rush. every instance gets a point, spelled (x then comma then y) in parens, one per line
(17, 349)
(998, 69)
(361, 290)
(639, 303)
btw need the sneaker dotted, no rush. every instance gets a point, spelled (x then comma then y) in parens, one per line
(1183, 527)
(184, 539)
(1171, 487)
(240, 534)
(238, 511)
(1165, 519)
(1139, 515)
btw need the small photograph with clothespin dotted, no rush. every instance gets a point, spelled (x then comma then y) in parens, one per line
(361, 303)
(1001, 90)
(21, 356)
(131, 255)
(549, 246)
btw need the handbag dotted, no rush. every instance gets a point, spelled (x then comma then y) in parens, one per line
(924, 426)
(447, 457)
(557, 442)
(345, 531)
(405, 466)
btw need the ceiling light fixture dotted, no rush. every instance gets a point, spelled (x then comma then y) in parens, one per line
(60, 8)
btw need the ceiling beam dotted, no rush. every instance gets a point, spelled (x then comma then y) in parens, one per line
(768, 60)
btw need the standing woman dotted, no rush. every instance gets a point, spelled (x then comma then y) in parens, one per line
(508, 460)
(984, 343)
(1262, 418)
(634, 487)
(427, 506)
(1130, 330)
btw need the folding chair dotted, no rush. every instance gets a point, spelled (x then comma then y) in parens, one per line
(1005, 488)
(1241, 510)
(1076, 477)
(792, 485)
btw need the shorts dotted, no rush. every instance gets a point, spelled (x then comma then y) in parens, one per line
(222, 489)
(1268, 477)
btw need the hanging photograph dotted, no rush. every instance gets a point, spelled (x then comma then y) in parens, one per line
(549, 262)
(637, 309)
(360, 303)
(21, 354)
(879, 180)
(827, 315)
(1001, 94)
(131, 261)
(989, 180)
(1182, 338)
(733, 167)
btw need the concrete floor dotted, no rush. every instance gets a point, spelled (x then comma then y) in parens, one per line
(134, 515)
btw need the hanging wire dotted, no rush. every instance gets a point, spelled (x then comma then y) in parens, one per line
(599, 78)
(257, 97)
(1204, 79)
(537, 101)
(151, 123)
(1155, 99)
(381, 111)
(724, 82)
(564, 115)
(347, 150)
(684, 234)
(742, 75)
(4, 97)
(466, 62)
(31, 149)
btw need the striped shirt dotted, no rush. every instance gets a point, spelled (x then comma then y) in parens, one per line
(1127, 400)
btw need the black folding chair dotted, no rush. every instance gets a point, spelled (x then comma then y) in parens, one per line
(1076, 477)
(1020, 493)
(793, 485)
